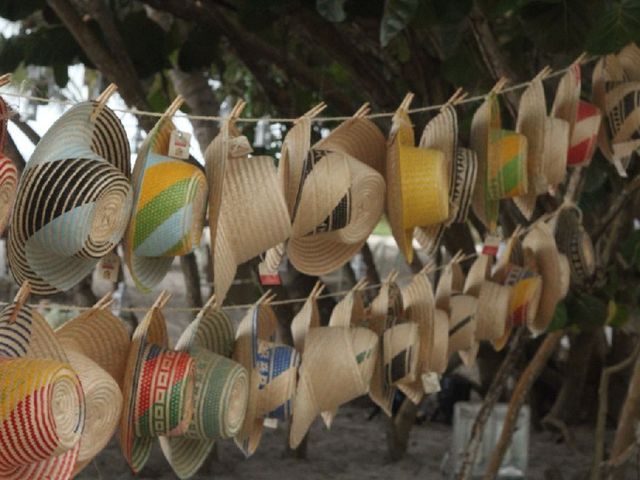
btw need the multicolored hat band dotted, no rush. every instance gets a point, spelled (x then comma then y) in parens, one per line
(339, 195)
(272, 372)
(337, 366)
(73, 200)
(547, 260)
(220, 392)
(417, 182)
(584, 118)
(441, 133)
(168, 209)
(575, 243)
(42, 403)
(502, 161)
(308, 317)
(247, 209)
(8, 172)
(462, 328)
(158, 389)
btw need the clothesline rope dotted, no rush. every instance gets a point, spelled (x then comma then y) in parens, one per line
(135, 111)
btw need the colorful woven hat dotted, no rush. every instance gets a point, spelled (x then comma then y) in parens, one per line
(334, 190)
(584, 118)
(502, 161)
(247, 209)
(272, 370)
(158, 388)
(8, 172)
(462, 328)
(168, 209)
(417, 182)
(308, 317)
(220, 392)
(42, 402)
(575, 243)
(73, 200)
(441, 133)
(337, 366)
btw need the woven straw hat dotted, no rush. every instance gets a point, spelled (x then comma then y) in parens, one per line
(417, 182)
(502, 161)
(462, 328)
(308, 317)
(8, 172)
(451, 282)
(441, 133)
(575, 243)
(220, 392)
(334, 191)
(73, 200)
(272, 372)
(547, 261)
(158, 388)
(52, 393)
(247, 209)
(168, 208)
(584, 118)
(337, 366)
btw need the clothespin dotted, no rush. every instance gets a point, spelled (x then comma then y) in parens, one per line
(173, 108)
(102, 100)
(458, 96)
(392, 276)
(313, 112)
(580, 59)
(457, 258)
(542, 74)
(500, 84)
(5, 79)
(360, 285)
(210, 304)
(105, 302)
(19, 300)
(266, 298)
(363, 111)
(162, 300)
(317, 290)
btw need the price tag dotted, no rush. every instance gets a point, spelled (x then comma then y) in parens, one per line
(430, 382)
(270, 423)
(109, 267)
(491, 245)
(179, 144)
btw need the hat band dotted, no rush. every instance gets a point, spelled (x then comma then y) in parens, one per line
(506, 170)
(622, 103)
(585, 134)
(277, 368)
(164, 393)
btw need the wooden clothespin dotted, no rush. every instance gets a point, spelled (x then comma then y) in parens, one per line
(266, 298)
(19, 300)
(162, 300)
(317, 290)
(360, 285)
(581, 58)
(458, 96)
(500, 84)
(542, 74)
(5, 79)
(312, 113)
(102, 100)
(105, 302)
(173, 108)
(428, 268)
(457, 258)
(406, 102)
(363, 111)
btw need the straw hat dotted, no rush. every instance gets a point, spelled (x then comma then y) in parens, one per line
(337, 366)
(547, 261)
(575, 243)
(8, 172)
(52, 392)
(584, 118)
(417, 182)
(451, 282)
(462, 328)
(220, 392)
(73, 200)
(629, 58)
(247, 209)
(308, 317)
(441, 133)
(272, 372)
(158, 388)
(334, 190)
(168, 208)
(502, 157)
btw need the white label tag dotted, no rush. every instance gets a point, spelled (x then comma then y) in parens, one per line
(270, 423)
(179, 144)
(109, 267)
(491, 245)
(430, 382)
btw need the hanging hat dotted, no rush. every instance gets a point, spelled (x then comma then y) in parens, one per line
(462, 328)
(168, 208)
(575, 243)
(220, 392)
(334, 191)
(417, 182)
(247, 209)
(584, 118)
(41, 423)
(547, 262)
(547, 144)
(8, 172)
(272, 372)
(502, 161)
(337, 365)
(73, 200)
(451, 282)
(158, 388)
(441, 133)
(308, 317)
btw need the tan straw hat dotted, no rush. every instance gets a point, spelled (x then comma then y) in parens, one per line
(462, 328)
(220, 393)
(575, 243)
(8, 172)
(247, 209)
(334, 191)
(74, 199)
(272, 370)
(451, 282)
(308, 317)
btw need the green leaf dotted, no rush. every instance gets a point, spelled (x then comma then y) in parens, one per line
(149, 51)
(586, 310)
(332, 10)
(618, 24)
(396, 17)
(617, 314)
(560, 318)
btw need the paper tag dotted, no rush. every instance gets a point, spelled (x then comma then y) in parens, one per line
(270, 279)
(109, 267)
(430, 382)
(179, 144)
(491, 245)
(270, 423)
